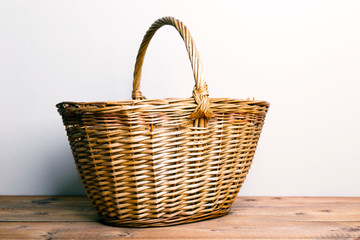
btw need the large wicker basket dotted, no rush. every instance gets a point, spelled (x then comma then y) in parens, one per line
(162, 162)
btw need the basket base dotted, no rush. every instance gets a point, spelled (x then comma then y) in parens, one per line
(162, 222)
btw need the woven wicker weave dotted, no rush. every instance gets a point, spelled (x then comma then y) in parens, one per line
(162, 162)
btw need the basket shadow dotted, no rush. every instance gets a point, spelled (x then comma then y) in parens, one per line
(63, 174)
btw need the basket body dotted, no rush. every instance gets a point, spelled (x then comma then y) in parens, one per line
(145, 163)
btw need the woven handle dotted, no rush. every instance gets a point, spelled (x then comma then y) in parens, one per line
(200, 92)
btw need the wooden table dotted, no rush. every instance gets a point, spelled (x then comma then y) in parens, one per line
(59, 217)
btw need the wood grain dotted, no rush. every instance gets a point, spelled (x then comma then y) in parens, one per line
(46, 208)
(55, 217)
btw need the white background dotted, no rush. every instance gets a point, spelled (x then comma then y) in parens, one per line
(301, 56)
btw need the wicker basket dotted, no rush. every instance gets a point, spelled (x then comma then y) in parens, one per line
(163, 162)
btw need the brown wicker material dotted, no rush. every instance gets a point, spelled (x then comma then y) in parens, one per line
(162, 162)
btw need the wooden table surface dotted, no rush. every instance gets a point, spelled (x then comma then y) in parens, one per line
(60, 217)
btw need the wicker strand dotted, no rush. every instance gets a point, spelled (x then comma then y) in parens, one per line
(200, 92)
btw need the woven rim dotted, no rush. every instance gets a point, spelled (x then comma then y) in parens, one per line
(83, 107)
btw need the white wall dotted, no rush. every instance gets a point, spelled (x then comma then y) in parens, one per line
(301, 56)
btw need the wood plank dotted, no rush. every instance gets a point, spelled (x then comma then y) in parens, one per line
(298, 208)
(46, 208)
(211, 229)
(62, 217)
(78, 208)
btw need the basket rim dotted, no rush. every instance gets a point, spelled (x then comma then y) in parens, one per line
(162, 101)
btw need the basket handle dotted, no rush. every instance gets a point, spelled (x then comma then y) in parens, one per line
(200, 92)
